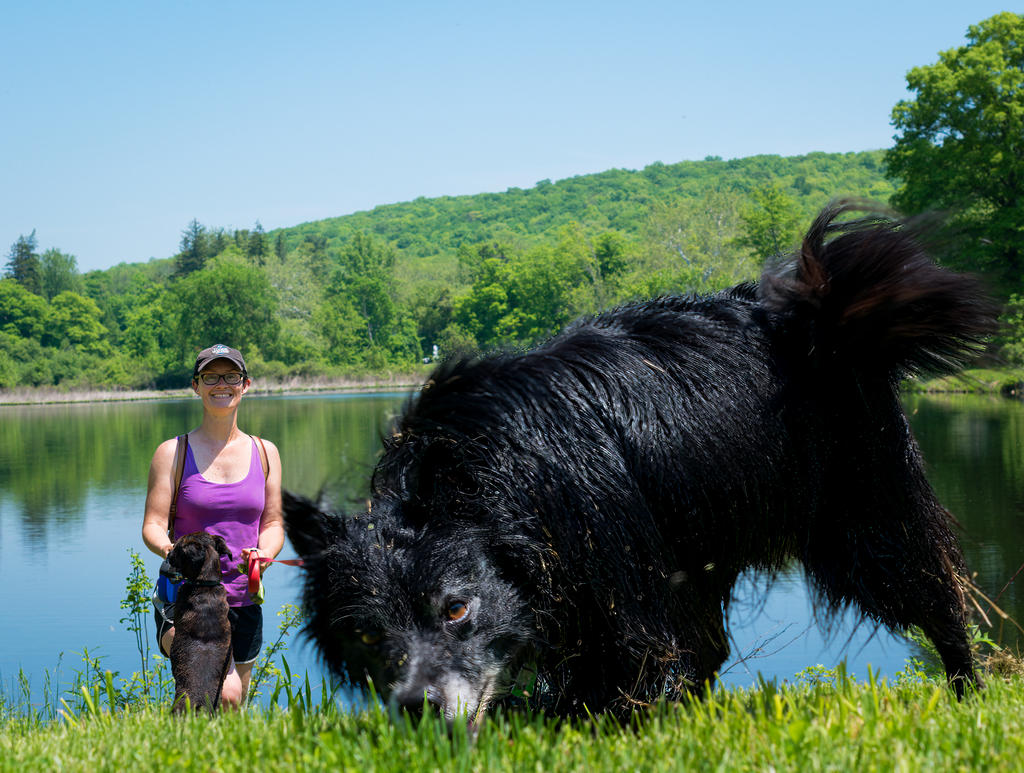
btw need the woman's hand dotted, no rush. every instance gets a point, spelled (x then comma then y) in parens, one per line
(247, 555)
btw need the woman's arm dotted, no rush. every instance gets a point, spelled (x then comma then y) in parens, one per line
(271, 538)
(158, 498)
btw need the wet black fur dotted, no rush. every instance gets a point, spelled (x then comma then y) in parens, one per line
(201, 648)
(595, 499)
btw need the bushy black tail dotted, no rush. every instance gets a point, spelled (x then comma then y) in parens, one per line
(867, 292)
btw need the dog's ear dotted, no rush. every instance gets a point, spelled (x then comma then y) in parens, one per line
(309, 528)
(174, 557)
(221, 546)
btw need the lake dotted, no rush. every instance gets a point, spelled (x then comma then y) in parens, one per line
(73, 486)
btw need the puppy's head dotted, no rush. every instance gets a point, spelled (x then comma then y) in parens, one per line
(421, 612)
(198, 553)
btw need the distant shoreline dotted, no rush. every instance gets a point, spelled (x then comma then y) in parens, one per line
(1007, 382)
(56, 396)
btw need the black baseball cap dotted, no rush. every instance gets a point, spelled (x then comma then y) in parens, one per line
(219, 352)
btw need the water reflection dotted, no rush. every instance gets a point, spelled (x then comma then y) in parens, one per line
(53, 457)
(975, 460)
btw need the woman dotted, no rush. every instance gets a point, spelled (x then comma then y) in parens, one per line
(223, 491)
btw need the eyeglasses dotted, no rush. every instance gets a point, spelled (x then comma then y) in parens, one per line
(231, 379)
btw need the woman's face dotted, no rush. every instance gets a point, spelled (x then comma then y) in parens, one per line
(220, 396)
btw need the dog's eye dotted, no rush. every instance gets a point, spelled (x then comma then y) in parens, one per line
(457, 610)
(369, 638)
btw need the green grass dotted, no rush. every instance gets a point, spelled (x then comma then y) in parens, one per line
(825, 721)
(1007, 381)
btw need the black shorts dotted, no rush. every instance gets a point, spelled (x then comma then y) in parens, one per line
(246, 630)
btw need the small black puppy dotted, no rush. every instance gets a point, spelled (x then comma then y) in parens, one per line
(201, 649)
(581, 512)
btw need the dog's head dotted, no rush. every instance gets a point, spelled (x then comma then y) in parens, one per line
(198, 554)
(420, 611)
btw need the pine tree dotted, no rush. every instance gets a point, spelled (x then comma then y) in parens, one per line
(23, 263)
(194, 249)
(257, 247)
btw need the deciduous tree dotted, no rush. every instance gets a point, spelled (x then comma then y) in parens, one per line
(960, 145)
(75, 320)
(58, 272)
(770, 222)
(227, 300)
(22, 313)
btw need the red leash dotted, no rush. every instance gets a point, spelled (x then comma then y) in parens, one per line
(254, 568)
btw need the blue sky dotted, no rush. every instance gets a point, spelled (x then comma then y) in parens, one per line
(122, 121)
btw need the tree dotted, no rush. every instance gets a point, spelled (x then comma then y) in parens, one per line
(227, 300)
(364, 256)
(692, 245)
(75, 320)
(23, 263)
(217, 241)
(314, 251)
(432, 308)
(257, 246)
(611, 251)
(22, 313)
(194, 249)
(960, 145)
(58, 272)
(770, 223)
(363, 284)
(342, 330)
(520, 298)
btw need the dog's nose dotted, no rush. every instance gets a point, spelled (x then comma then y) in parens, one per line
(414, 703)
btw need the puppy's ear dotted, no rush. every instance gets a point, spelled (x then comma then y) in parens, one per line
(221, 546)
(309, 528)
(174, 557)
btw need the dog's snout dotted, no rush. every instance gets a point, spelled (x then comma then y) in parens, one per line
(414, 703)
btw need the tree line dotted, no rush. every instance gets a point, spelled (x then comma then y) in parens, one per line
(388, 288)
(329, 303)
(322, 309)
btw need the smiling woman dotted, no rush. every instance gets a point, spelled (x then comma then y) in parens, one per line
(222, 481)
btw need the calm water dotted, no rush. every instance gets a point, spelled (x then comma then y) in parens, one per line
(72, 489)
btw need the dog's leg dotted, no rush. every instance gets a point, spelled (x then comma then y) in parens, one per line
(901, 574)
(674, 644)
(879, 536)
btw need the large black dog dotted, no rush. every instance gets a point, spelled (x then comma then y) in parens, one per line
(584, 509)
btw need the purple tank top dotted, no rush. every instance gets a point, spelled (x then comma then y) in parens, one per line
(231, 510)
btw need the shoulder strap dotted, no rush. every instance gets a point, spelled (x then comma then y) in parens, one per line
(179, 469)
(263, 456)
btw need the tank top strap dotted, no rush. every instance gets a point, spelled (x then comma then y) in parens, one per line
(190, 468)
(255, 463)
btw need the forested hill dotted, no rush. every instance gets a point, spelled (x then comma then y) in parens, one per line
(379, 290)
(622, 200)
